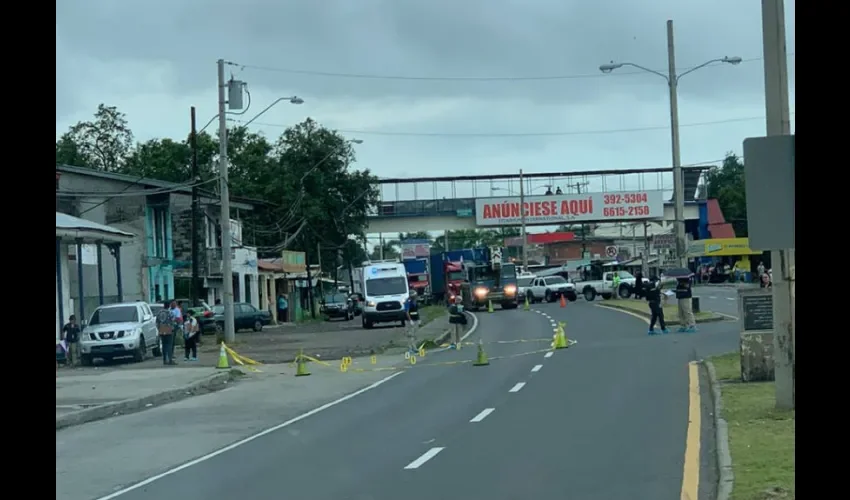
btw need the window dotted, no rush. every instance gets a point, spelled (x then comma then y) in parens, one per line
(524, 282)
(555, 280)
(386, 286)
(508, 271)
(127, 314)
(160, 232)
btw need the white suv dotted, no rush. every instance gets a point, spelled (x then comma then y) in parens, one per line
(118, 330)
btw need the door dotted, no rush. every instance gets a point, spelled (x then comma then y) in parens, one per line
(240, 316)
(148, 325)
(538, 288)
(608, 282)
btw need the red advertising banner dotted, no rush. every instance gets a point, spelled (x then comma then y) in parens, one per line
(557, 209)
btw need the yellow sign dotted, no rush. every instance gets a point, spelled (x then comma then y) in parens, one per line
(721, 247)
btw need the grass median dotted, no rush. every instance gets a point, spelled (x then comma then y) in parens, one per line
(761, 438)
(671, 311)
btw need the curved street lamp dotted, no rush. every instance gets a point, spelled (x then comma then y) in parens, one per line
(673, 84)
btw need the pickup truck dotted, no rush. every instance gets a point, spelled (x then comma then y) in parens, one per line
(550, 289)
(604, 287)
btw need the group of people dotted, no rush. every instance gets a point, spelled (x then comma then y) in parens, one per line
(653, 294)
(173, 321)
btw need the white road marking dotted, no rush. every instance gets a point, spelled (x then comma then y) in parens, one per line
(517, 387)
(712, 297)
(481, 416)
(548, 354)
(730, 298)
(424, 458)
(536, 368)
(249, 439)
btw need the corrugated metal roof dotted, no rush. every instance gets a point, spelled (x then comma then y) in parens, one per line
(65, 221)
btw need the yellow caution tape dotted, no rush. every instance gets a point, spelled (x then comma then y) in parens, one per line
(314, 360)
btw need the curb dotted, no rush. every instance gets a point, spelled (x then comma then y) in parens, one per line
(212, 383)
(713, 319)
(726, 477)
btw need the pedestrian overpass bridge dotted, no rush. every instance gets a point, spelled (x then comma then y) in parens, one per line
(452, 203)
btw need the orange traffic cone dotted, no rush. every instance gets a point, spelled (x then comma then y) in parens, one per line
(563, 301)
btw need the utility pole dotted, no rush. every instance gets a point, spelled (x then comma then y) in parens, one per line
(678, 178)
(522, 223)
(779, 123)
(583, 226)
(319, 253)
(309, 280)
(196, 212)
(226, 239)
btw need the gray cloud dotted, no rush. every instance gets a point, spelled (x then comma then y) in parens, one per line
(153, 59)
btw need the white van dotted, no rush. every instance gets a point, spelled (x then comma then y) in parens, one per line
(385, 292)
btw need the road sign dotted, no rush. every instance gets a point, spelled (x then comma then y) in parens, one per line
(664, 241)
(611, 251)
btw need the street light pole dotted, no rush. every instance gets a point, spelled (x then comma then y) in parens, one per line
(678, 178)
(522, 222)
(673, 84)
(226, 239)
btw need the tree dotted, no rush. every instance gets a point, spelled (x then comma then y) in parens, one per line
(726, 184)
(103, 143)
(311, 182)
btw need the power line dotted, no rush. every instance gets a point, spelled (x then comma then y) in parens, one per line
(369, 76)
(525, 134)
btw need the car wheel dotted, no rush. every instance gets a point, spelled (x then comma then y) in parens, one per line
(141, 351)
(258, 325)
(624, 291)
(572, 297)
(530, 297)
(549, 296)
(589, 294)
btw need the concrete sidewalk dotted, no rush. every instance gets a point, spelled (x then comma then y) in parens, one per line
(86, 395)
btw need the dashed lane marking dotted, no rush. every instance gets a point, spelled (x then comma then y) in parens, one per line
(517, 387)
(428, 455)
(481, 416)
(536, 368)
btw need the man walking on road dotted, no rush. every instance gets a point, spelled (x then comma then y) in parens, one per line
(652, 292)
(687, 322)
(457, 319)
(71, 336)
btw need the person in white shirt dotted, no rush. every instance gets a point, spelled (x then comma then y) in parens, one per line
(190, 337)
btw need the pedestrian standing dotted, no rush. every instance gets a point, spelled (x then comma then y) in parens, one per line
(270, 307)
(652, 292)
(409, 328)
(165, 328)
(282, 307)
(687, 322)
(71, 336)
(191, 332)
(615, 286)
(176, 329)
(457, 319)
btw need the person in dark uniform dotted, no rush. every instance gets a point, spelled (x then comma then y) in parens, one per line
(652, 292)
(71, 336)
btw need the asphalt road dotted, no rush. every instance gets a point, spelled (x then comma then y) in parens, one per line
(719, 299)
(605, 419)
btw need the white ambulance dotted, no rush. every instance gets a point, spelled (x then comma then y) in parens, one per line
(385, 292)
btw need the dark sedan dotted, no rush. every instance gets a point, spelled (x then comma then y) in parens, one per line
(337, 305)
(245, 316)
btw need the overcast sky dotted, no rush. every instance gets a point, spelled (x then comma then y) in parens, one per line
(153, 59)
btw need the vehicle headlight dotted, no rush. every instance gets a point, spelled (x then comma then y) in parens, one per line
(480, 292)
(371, 303)
(510, 289)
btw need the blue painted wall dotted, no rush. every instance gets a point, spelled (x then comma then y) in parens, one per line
(160, 274)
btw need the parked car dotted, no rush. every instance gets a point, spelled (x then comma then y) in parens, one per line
(119, 330)
(357, 300)
(204, 314)
(550, 289)
(244, 316)
(337, 305)
(522, 285)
